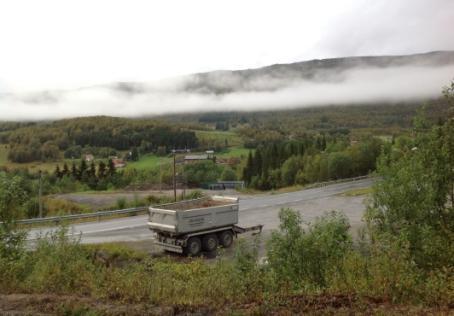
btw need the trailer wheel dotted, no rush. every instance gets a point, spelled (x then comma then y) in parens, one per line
(210, 242)
(226, 238)
(193, 246)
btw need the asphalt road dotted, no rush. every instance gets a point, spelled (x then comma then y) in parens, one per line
(254, 210)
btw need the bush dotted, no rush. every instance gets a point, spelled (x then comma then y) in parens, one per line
(56, 207)
(303, 257)
(228, 174)
(202, 172)
(60, 265)
(12, 199)
(121, 203)
(196, 194)
(412, 202)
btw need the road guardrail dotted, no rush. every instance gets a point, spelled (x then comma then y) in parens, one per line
(135, 210)
(323, 184)
(58, 219)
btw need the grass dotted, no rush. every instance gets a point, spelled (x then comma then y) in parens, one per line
(234, 152)
(148, 161)
(151, 161)
(357, 192)
(293, 188)
(385, 138)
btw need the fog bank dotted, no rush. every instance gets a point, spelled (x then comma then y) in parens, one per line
(233, 91)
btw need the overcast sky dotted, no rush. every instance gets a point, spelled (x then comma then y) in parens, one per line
(50, 44)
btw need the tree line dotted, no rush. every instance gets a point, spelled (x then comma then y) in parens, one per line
(314, 159)
(97, 177)
(45, 141)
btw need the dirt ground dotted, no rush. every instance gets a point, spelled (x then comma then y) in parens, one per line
(50, 304)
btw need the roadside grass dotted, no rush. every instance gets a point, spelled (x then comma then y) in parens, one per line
(56, 207)
(61, 207)
(357, 192)
(289, 189)
(117, 251)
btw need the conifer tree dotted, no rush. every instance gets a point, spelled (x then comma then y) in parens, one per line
(74, 171)
(247, 171)
(101, 170)
(111, 168)
(65, 170)
(57, 172)
(82, 169)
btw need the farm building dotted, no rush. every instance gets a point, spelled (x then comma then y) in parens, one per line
(209, 155)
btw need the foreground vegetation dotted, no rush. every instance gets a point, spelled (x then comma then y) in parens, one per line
(404, 255)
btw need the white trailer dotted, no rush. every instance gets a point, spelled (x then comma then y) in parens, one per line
(195, 225)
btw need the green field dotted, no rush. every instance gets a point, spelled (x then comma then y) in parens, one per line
(234, 152)
(151, 161)
(148, 161)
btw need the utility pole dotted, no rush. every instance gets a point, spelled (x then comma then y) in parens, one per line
(40, 191)
(174, 175)
(160, 176)
(175, 151)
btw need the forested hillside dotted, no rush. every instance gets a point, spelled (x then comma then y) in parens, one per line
(383, 118)
(276, 76)
(44, 141)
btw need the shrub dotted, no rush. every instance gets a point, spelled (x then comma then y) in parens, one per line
(12, 199)
(53, 206)
(121, 203)
(303, 257)
(196, 194)
(60, 265)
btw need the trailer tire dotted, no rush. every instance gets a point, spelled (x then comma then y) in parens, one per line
(210, 242)
(226, 238)
(193, 246)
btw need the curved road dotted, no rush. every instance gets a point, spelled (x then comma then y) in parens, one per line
(254, 210)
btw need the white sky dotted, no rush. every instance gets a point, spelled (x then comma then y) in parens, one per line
(50, 44)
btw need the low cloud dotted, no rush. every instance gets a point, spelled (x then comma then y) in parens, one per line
(235, 91)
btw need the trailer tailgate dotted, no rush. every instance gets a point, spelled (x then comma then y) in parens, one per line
(163, 220)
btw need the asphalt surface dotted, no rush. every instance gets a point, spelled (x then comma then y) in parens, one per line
(254, 210)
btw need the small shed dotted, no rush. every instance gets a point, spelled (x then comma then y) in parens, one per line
(118, 163)
(89, 157)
